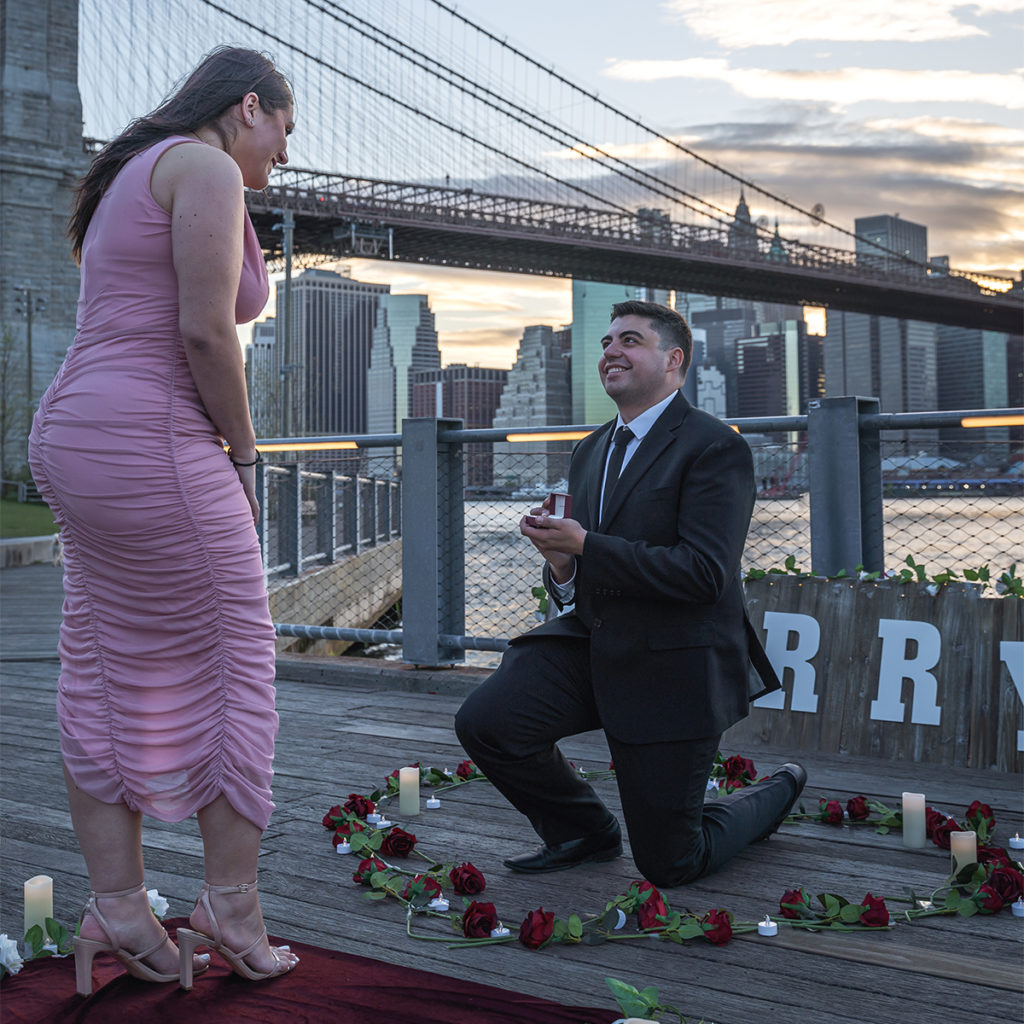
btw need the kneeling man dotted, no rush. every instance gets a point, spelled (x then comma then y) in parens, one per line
(657, 649)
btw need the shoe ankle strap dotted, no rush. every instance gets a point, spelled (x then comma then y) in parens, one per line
(242, 887)
(123, 892)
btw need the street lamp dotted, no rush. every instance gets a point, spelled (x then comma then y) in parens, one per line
(27, 304)
(287, 228)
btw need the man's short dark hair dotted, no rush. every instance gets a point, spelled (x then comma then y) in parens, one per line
(671, 327)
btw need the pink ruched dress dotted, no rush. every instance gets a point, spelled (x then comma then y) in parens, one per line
(166, 693)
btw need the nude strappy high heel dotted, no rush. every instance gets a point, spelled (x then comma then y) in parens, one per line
(189, 939)
(133, 963)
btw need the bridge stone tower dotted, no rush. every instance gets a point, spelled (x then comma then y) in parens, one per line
(41, 157)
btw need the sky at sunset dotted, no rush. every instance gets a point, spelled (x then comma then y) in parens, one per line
(906, 107)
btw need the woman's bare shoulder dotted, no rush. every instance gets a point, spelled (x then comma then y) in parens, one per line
(194, 167)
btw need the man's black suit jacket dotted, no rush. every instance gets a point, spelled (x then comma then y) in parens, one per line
(658, 590)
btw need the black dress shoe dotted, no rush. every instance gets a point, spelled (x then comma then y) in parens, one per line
(799, 776)
(599, 846)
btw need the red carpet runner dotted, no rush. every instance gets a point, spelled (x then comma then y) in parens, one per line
(326, 988)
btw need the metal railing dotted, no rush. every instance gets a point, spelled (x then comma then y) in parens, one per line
(842, 487)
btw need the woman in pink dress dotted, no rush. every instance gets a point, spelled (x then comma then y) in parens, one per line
(166, 693)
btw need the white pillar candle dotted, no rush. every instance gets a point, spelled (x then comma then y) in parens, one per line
(409, 790)
(913, 820)
(963, 850)
(38, 901)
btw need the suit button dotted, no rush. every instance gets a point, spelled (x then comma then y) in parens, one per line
(597, 624)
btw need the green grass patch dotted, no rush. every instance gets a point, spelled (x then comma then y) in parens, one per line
(22, 519)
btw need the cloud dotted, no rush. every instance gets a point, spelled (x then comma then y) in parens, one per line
(742, 23)
(840, 87)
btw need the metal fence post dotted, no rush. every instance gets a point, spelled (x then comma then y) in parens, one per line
(326, 503)
(290, 519)
(845, 470)
(433, 543)
(262, 524)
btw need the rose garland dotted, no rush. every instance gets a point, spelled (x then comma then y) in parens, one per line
(983, 888)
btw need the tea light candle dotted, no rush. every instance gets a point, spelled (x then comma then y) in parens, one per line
(767, 926)
(963, 850)
(372, 818)
(433, 803)
(913, 820)
(500, 932)
(1018, 908)
(38, 901)
(384, 823)
(1016, 843)
(344, 846)
(439, 903)
(409, 790)
(621, 921)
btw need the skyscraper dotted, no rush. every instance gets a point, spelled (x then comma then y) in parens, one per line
(881, 236)
(404, 341)
(591, 313)
(537, 395)
(263, 379)
(332, 323)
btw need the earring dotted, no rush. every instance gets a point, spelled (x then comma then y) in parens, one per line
(252, 122)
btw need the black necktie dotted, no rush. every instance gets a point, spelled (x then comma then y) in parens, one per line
(622, 438)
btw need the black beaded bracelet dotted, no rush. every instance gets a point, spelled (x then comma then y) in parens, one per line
(255, 462)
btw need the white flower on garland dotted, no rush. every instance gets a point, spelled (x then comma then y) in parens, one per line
(10, 958)
(157, 903)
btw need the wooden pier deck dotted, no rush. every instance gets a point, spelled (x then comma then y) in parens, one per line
(337, 739)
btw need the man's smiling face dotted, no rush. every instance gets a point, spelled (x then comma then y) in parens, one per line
(635, 370)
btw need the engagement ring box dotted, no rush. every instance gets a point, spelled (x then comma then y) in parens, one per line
(559, 506)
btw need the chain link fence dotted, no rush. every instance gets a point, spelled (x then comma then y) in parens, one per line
(951, 499)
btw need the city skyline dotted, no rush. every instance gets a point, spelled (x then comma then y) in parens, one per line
(874, 109)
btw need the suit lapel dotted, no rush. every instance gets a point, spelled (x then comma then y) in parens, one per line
(658, 438)
(592, 473)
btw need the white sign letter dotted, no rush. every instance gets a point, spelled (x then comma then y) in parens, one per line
(896, 667)
(1011, 653)
(778, 627)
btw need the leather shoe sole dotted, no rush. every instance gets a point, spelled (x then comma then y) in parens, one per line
(798, 774)
(601, 846)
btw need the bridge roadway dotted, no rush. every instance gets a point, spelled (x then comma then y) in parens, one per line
(342, 216)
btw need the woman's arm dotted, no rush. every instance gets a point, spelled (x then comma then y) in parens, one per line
(204, 189)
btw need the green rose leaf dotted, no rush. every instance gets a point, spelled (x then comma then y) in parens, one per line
(850, 914)
(575, 926)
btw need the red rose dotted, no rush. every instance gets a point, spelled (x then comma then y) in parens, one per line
(739, 771)
(994, 855)
(792, 902)
(466, 770)
(536, 929)
(479, 920)
(830, 812)
(652, 907)
(611, 766)
(431, 886)
(940, 835)
(398, 843)
(981, 819)
(1008, 882)
(932, 820)
(717, 925)
(875, 914)
(334, 812)
(987, 900)
(467, 880)
(367, 869)
(857, 808)
(360, 806)
(346, 829)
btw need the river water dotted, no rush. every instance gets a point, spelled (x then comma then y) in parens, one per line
(942, 533)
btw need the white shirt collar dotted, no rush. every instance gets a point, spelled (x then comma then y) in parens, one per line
(641, 424)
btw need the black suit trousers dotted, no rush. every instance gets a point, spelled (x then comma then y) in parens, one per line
(541, 693)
